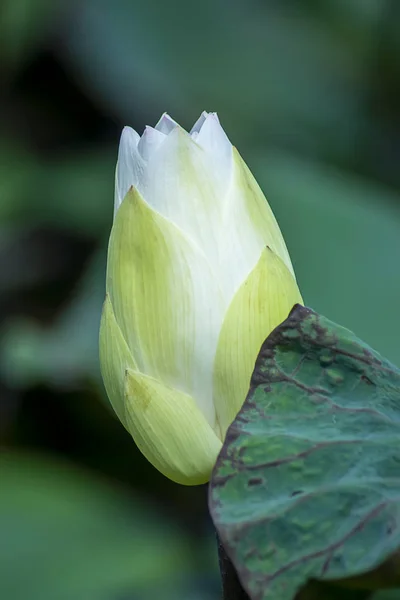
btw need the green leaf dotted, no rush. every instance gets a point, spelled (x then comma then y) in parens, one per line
(307, 484)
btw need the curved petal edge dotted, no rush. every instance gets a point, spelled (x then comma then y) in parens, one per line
(170, 430)
(115, 358)
(261, 303)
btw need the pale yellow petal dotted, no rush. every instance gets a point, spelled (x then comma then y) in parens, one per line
(262, 302)
(166, 300)
(170, 430)
(115, 358)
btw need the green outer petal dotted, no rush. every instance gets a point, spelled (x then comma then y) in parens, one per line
(248, 225)
(170, 430)
(115, 358)
(166, 300)
(262, 302)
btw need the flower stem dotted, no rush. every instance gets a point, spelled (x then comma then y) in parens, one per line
(231, 586)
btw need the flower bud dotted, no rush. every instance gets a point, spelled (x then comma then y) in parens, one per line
(198, 275)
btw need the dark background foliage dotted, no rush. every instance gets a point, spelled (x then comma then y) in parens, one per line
(309, 92)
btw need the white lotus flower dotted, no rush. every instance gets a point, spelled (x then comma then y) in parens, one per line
(198, 276)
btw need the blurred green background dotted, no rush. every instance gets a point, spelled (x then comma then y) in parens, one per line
(309, 91)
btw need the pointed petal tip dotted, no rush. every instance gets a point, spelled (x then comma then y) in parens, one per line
(106, 302)
(129, 167)
(131, 193)
(179, 135)
(129, 135)
(212, 134)
(199, 124)
(149, 142)
(132, 199)
(212, 116)
(165, 124)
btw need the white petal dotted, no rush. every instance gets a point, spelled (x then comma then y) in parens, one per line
(199, 124)
(215, 142)
(184, 184)
(130, 165)
(211, 135)
(166, 124)
(248, 226)
(150, 141)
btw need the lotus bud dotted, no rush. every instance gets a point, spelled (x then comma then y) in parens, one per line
(198, 275)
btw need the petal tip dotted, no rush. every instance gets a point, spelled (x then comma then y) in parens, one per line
(166, 124)
(129, 135)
